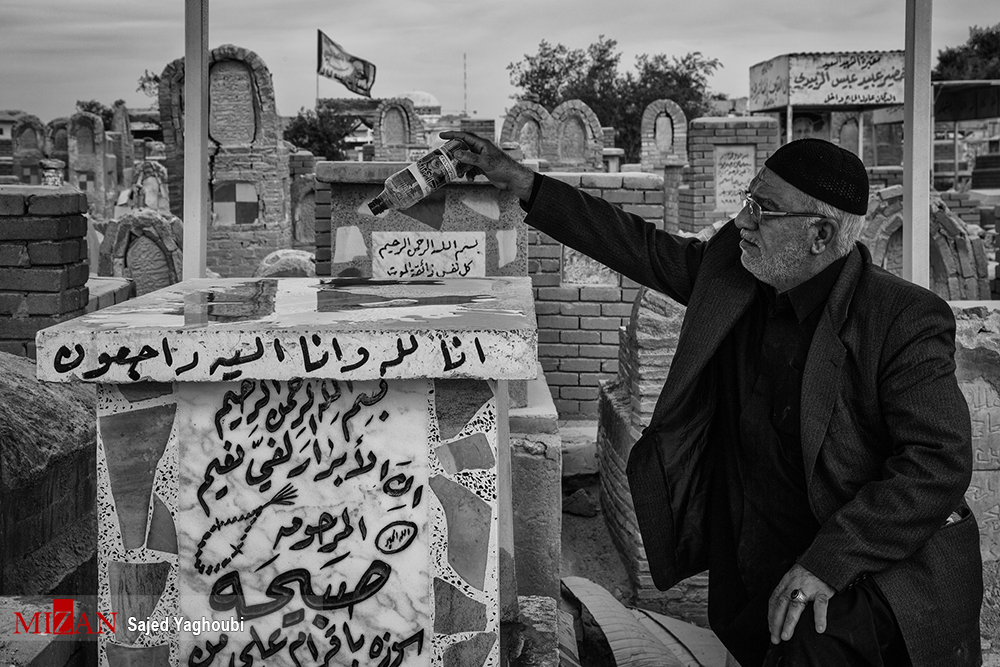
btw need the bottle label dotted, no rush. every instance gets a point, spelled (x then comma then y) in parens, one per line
(435, 169)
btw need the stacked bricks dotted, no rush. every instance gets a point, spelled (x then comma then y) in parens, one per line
(578, 324)
(324, 237)
(963, 205)
(301, 163)
(884, 177)
(957, 253)
(43, 261)
(6, 157)
(697, 204)
(986, 173)
(484, 127)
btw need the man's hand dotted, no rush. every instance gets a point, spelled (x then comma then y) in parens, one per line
(783, 612)
(485, 158)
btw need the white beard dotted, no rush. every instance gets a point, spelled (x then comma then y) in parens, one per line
(776, 267)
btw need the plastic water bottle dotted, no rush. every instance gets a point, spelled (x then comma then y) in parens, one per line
(408, 186)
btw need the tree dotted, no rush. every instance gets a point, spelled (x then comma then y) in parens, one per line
(149, 84)
(978, 58)
(107, 114)
(321, 132)
(556, 74)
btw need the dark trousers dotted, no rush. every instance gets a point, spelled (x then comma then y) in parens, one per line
(861, 632)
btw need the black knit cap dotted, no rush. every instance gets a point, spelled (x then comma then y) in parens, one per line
(824, 171)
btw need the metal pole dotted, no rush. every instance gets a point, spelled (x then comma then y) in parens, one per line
(788, 124)
(954, 140)
(917, 143)
(861, 135)
(196, 215)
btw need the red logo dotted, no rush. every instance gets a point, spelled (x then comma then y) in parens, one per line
(63, 621)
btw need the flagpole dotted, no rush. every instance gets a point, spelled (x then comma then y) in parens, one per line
(317, 92)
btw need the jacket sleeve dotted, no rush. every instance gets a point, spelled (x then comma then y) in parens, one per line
(621, 241)
(929, 463)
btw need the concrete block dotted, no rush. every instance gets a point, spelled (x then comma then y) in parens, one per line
(579, 447)
(535, 472)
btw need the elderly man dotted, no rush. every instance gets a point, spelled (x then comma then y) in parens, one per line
(811, 446)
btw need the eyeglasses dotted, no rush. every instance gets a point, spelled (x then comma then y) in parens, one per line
(757, 213)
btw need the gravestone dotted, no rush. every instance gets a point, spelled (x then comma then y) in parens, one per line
(959, 267)
(145, 246)
(249, 172)
(399, 134)
(579, 139)
(123, 146)
(330, 486)
(724, 154)
(529, 124)
(303, 197)
(57, 141)
(149, 187)
(28, 134)
(664, 152)
(977, 358)
(87, 160)
(462, 230)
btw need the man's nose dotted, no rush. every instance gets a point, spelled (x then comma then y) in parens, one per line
(743, 220)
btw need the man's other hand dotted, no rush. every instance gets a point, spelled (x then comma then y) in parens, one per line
(783, 612)
(485, 158)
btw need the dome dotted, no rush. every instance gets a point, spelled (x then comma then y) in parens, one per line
(420, 99)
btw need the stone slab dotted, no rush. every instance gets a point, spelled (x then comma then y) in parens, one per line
(539, 414)
(343, 328)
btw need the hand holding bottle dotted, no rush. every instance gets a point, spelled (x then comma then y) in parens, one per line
(487, 159)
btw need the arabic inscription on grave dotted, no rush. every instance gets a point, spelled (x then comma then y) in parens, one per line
(303, 513)
(409, 255)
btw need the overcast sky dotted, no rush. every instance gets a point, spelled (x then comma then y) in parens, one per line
(54, 52)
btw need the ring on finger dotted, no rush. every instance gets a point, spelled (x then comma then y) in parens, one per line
(798, 596)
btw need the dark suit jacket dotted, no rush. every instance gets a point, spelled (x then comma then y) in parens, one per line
(885, 430)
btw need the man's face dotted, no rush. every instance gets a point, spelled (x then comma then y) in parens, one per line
(776, 251)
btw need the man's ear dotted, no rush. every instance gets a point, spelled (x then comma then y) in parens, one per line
(827, 231)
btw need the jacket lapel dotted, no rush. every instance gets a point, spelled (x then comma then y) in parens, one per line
(821, 376)
(717, 303)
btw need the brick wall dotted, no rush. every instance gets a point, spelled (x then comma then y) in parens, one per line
(43, 261)
(698, 205)
(578, 323)
(884, 177)
(301, 162)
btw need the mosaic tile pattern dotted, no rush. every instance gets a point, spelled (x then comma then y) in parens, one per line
(467, 409)
(123, 656)
(134, 441)
(135, 591)
(111, 401)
